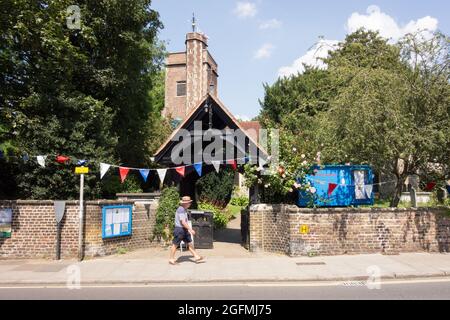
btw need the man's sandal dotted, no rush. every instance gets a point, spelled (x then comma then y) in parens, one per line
(200, 260)
(173, 262)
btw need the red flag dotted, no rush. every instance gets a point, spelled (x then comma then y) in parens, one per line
(233, 164)
(430, 186)
(180, 170)
(123, 173)
(331, 187)
(62, 159)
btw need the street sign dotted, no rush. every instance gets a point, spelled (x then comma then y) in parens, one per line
(81, 170)
(60, 207)
(304, 229)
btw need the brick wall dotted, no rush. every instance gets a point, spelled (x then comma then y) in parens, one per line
(276, 228)
(34, 229)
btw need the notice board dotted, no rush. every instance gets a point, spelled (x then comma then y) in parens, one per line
(117, 221)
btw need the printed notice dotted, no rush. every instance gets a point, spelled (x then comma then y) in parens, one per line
(124, 227)
(109, 217)
(116, 229)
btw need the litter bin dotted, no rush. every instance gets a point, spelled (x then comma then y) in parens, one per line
(203, 225)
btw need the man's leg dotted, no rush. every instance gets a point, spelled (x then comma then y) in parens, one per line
(192, 250)
(173, 249)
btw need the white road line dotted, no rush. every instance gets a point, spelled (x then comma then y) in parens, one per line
(237, 284)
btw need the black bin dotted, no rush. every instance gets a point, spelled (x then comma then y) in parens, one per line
(203, 225)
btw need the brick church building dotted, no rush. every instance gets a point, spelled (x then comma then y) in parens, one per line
(191, 94)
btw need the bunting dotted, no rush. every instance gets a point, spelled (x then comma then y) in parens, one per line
(161, 174)
(123, 173)
(62, 159)
(368, 190)
(41, 160)
(233, 164)
(104, 167)
(198, 168)
(216, 165)
(331, 187)
(144, 173)
(180, 170)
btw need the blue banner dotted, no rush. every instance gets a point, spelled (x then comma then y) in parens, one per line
(144, 173)
(198, 168)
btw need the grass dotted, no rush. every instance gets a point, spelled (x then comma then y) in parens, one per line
(233, 210)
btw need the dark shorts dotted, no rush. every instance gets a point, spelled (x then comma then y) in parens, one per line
(181, 234)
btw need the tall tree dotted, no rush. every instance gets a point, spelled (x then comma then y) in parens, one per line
(81, 91)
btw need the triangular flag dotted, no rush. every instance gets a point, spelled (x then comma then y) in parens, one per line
(41, 160)
(62, 159)
(198, 168)
(81, 162)
(25, 157)
(216, 165)
(104, 167)
(233, 164)
(123, 173)
(331, 187)
(180, 170)
(144, 173)
(161, 174)
(368, 189)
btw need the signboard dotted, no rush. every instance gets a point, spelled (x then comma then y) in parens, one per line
(116, 221)
(304, 229)
(80, 170)
(60, 207)
(5, 223)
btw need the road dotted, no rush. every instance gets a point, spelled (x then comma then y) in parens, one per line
(432, 288)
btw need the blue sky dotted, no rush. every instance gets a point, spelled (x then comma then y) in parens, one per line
(256, 41)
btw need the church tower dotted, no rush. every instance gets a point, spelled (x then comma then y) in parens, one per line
(190, 75)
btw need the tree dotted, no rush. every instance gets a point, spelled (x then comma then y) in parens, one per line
(79, 92)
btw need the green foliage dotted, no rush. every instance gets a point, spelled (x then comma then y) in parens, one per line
(376, 103)
(83, 92)
(165, 214)
(216, 188)
(220, 218)
(239, 201)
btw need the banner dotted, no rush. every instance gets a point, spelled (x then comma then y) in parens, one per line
(233, 164)
(368, 189)
(41, 160)
(216, 165)
(331, 187)
(180, 170)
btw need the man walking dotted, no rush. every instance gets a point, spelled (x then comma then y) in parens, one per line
(183, 232)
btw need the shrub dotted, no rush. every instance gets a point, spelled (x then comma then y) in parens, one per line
(239, 201)
(216, 188)
(165, 214)
(220, 218)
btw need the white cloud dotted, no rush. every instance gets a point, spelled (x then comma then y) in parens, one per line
(245, 9)
(379, 21)
(265, 51)
(375, 20)
(270, 24)
(311, 58)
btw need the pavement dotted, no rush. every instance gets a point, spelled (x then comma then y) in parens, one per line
(228, 262)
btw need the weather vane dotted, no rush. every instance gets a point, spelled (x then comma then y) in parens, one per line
(193, 22)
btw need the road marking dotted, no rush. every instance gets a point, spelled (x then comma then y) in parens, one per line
(237, 284)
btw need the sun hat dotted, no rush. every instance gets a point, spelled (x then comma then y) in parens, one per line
(185, 199)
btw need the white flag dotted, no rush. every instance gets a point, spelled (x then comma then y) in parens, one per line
(104, 167)
(41, 160)
(161, 174)
(216, 165)
(368, 189)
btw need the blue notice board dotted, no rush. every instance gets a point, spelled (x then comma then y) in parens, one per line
(116, 221)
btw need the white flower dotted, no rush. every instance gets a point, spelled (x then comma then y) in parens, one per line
(303, 156)
(304, 162)
(312, 190)
(283, 175)
(294, 149)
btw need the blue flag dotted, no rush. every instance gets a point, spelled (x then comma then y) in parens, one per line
(198, 168)
(144, 173)
(81, 162)
(25, 157)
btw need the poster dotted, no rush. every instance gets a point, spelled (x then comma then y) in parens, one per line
(5, 223)
(359, 184)
(116, 221)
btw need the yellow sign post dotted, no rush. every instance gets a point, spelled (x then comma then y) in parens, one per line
(304, 229)
(81, 170)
